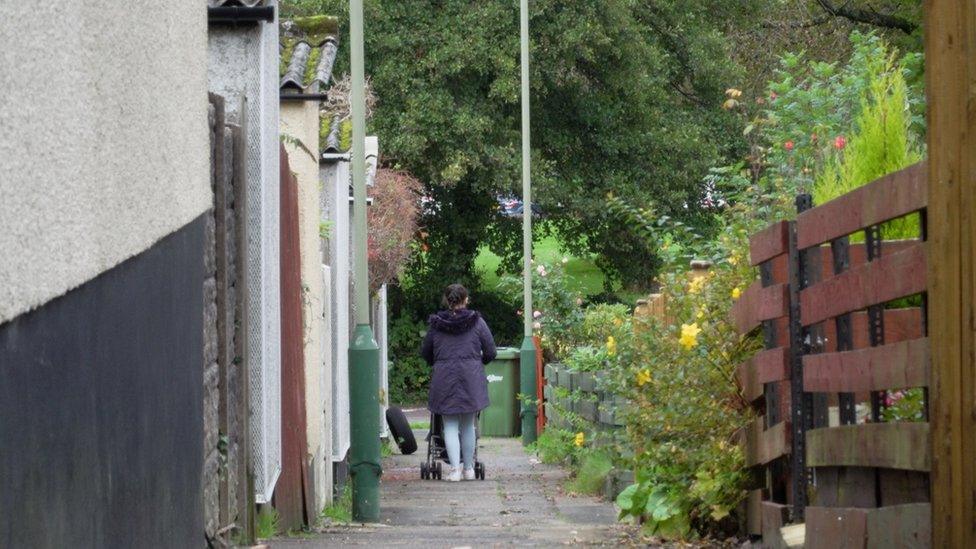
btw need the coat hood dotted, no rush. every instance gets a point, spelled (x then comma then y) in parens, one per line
(454, 322)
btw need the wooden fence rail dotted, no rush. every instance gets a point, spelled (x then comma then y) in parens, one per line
(838, 337)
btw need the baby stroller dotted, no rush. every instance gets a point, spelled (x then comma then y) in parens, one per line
(437, 452)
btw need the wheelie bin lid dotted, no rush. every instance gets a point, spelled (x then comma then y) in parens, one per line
(507, 353)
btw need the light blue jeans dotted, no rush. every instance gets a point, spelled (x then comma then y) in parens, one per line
(466, 439)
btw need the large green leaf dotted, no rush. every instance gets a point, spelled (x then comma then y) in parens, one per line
(626, 498)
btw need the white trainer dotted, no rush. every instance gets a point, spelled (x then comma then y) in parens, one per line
(469, 474)
(454, 475)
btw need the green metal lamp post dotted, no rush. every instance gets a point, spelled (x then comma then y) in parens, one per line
(364, 353)
(527, 356)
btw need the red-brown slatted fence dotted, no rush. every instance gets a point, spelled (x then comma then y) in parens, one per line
(854, 331)
(765, 379)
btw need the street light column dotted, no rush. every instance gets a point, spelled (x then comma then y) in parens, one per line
(527, 377)
(364, 353)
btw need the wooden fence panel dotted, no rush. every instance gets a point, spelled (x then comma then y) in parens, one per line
(877, 282)
(765, 367)
(895, 526)
(765, 445)
(892, 196)
(831, 340)
(758, 304)
(899, 325)
(898, 365)
(769, 243)
(889, 445)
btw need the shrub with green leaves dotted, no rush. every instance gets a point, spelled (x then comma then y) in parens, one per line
(595, 465)
(409, 376)
(881, 143)
(555, 446)
(686, 404)
(558, 310)
(825, 128)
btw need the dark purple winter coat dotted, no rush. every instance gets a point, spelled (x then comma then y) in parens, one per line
(458, 344)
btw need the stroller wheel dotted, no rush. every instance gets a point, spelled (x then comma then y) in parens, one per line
(423, 471)
(438, 472)
(479, 471)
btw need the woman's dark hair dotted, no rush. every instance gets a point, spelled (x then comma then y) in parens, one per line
(454, 295)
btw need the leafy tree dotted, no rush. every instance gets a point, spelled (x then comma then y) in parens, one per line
(625, 99)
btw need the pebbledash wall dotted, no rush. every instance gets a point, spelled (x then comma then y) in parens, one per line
(243, 69)
(104, 186)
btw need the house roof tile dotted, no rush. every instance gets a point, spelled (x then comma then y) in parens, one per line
(244, 3)
(308, 51)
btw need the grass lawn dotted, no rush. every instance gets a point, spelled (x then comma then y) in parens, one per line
(582, 271)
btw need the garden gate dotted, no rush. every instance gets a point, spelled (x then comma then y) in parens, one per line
(843, 326)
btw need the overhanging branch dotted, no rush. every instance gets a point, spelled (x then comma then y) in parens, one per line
(869, 16)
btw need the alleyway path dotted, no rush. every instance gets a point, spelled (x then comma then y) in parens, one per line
(520, 502)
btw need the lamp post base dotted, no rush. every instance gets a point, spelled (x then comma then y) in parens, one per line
(364, 419)
(527, 384)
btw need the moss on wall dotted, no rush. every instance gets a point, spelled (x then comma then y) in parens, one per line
(318, 27)
(345, 135)
(314, 31)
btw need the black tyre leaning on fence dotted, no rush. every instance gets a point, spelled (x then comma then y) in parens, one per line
(400, 430)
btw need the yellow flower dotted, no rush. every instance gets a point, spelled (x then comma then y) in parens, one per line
(701, 314)
(736, 293)
(696, 285)
(643, 376)
(689, 335)
(618, 321)
(733, 260)
(579, 439)
(611, 346)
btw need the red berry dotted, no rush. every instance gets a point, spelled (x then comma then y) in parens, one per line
(788, 145)
(840, 142)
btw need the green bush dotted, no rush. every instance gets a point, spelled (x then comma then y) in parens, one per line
(838, 126)
(555, 446)
(499, 311)
(340, 510)
(686, 405)
(601, 321)
(594, 467)
(409, 376)
(268, 523)
(882, 142)
(558, 310)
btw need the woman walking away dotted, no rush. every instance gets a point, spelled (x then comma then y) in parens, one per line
(458, 344)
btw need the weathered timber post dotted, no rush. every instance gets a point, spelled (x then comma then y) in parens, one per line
(950, 72)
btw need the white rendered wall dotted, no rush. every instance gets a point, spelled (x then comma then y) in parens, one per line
(103, 138)
(335, 194)
(325, 389)
(381, 332)
(243, 68)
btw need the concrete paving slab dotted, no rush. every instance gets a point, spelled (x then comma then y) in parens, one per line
(521, 502)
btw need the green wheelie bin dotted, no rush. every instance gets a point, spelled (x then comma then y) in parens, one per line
(501, 417)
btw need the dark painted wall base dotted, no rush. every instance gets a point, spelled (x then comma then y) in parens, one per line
(101, 430)
(340, 477)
